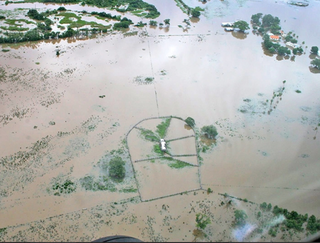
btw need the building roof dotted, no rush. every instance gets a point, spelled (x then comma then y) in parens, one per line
(274, 37)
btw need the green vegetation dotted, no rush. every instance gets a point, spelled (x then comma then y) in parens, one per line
(209, 131)
(297, 50)
(314, 50)
(241, 25)
(67, 187)
(255, 18)
(103, 184)
(162, 127)
(117, 170)
(157, 150)
(5, 50)
(240, 218)
(275, 47)
(209, 190)
(313, 225)
(298, 91)
(148, 135)
(178, 164)
(290, 38)
(269, 23)
(195, 13)
(2, 17)
(190, 121)
(153, 23)
(167, 21)
(202, 221)
(316, 63)
(129, 190)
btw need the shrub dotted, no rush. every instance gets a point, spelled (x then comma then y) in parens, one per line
(117, 170)
(190, 121)
(210, 131)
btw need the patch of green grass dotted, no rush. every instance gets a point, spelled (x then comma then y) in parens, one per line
(5, 50)
(13, 21)
(67, 187)
(37, 63)
(14, 28)
(157, 150)
(149, 135)
(178, 164)
(162, 127)
(67, 16)
(298, 91)
(128, 190)
(198, 8)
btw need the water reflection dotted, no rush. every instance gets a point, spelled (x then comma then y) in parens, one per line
(314, 70)
(239, 35)
(194, 20)
(207, 141)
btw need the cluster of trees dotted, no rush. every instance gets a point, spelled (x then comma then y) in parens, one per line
(290, 38)
(107, 15)
(316, 63)
(202, 221)
(268, 22)
(117, 170)
(313, 225)
(314, 50)
(190, 121)
(123, 24)
(293, 220)
(241, 25)
(240, 218)
(275, 47)
(209, 131)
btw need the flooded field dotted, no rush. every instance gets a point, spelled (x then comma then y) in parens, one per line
(64, 118)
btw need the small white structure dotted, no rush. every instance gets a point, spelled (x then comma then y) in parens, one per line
(163, 145)
(228, 29)
(227, 24)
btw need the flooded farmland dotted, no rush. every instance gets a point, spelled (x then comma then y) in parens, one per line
(63, 118)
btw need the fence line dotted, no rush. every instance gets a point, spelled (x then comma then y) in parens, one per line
(170, 140)
(134, 172)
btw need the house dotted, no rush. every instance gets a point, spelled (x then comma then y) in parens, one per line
(274, 37)
(227, 24)
(228, 29)
(163, 145)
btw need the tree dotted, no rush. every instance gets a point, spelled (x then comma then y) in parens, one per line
(316, 63)
(240, 217)
(314, 50)
(256, 18)
(117, 170)
(202, 221)
(167, 21)
(282, 51)
(210, 131)
(153, 23)
(241, 25)
(269, 20)
(190, 121)
(195, 13)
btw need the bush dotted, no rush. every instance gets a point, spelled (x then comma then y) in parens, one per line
(314, 50)
(190, 121)
(210, 131)
(195, 13)
(117, 170)
(240, 218)
(61, 9)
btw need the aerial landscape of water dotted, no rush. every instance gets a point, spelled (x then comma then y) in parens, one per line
(69, 106)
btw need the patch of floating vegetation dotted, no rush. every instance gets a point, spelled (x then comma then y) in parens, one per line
(305, 156)
(143, 80)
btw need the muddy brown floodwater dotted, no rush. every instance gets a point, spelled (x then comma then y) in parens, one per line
(60, 116)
